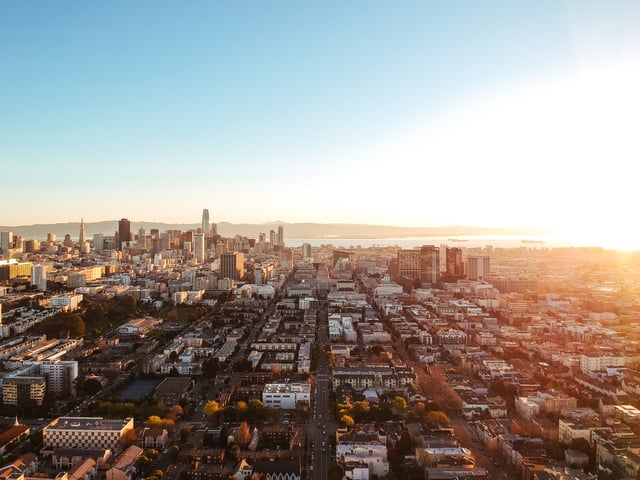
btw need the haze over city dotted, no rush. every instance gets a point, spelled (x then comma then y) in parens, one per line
(491, 114)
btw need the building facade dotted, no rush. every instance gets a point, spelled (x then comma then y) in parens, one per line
(86, 433)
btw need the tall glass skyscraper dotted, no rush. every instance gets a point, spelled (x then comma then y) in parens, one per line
(205, 222)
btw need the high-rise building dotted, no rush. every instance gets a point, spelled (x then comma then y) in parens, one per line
(409, 263)
(454, 266)
(51, 237)
(232, 265)
(82, 238)
(39, 276)
(306, 250)
(124, 232)
(478, 267)
(206, 227)
(31, 246)
(98, 242)
(61, 376)
(272, 237)
(6, 240)
(199, 247)
(429, 265)
(281, 235)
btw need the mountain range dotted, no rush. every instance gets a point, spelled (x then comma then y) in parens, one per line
(291, 230)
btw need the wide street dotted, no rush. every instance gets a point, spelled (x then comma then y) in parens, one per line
(321, 425)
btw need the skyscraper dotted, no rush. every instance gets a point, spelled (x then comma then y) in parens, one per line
(454, 270)
(430, 265)
(199, 249)
(98, 242)
(409, 263)
(82, 239)
(478, 267)
(124, 232)
(206, 227)
(281, 235)
(6, 240)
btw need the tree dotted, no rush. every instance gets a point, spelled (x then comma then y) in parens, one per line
(211, 367)
(92, 386)
(438, 417)
(234, 451)
(405, 444)
(347, 421)
(360, 410)
(176, 412)
(184, 433)
(130, 437)
(155, 421)
(211, 408)
(399, 405)
(244, 434)
(62, 325)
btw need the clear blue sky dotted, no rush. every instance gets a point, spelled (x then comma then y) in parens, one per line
(403, 113)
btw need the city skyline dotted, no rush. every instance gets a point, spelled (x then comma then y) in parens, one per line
(411, 114)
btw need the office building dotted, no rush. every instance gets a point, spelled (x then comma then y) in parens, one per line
(281, 235)
(478, 267)
(206, 227)
(409, 263)
(31, 246)
(98, 242)
(199, 247)
(429, 265)
(82, 238)
(6, 240)
(232, 265)
(306, 250)
(454, 266)
(39, 276)
(124, 231)
(85, 433)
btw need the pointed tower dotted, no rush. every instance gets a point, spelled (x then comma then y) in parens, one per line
(82, 238)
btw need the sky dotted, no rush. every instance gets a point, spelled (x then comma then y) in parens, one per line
(408, 113)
